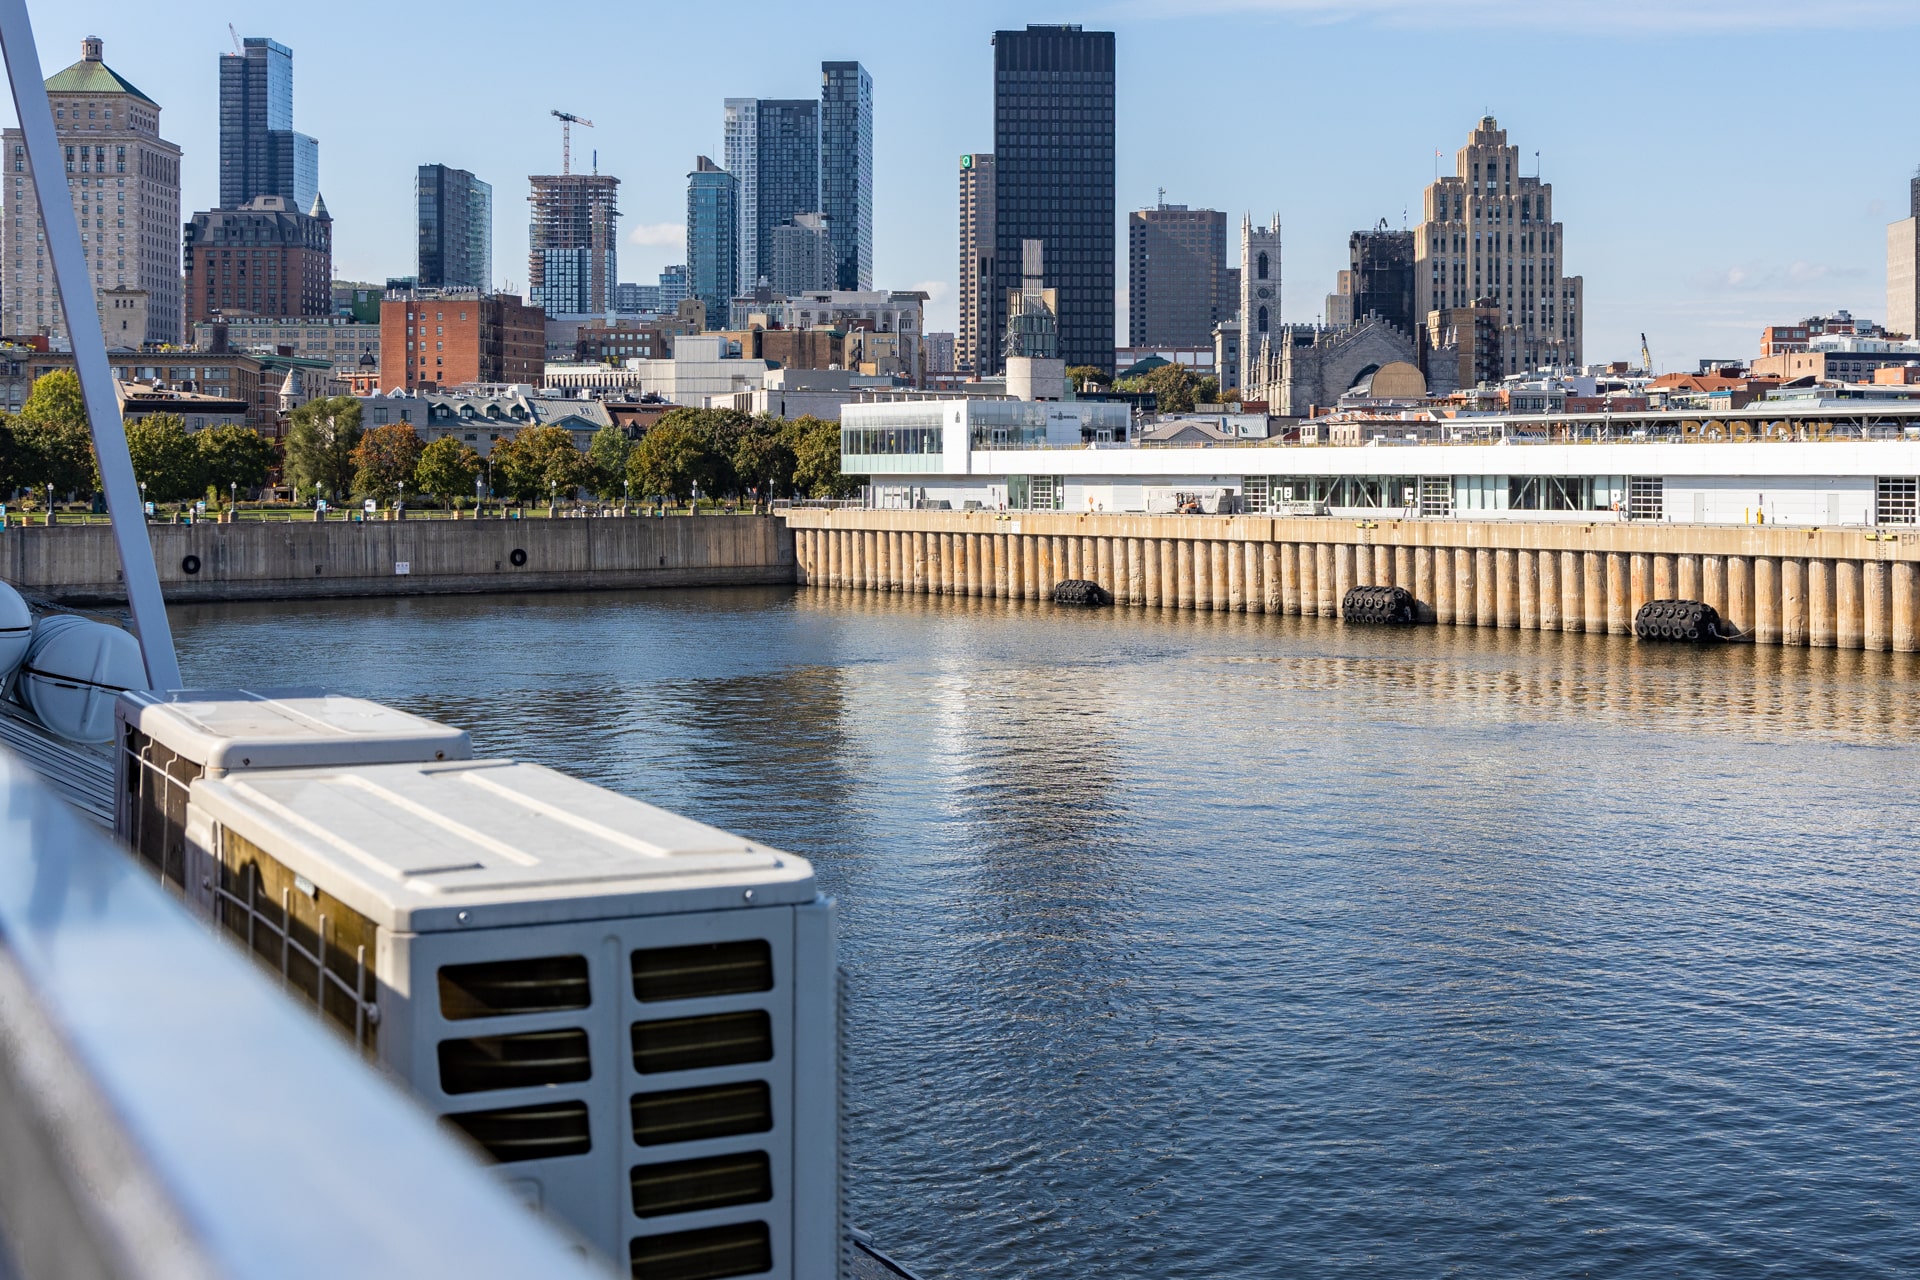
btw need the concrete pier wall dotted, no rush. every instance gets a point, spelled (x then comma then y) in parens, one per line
(77, 564)
(1846, 588)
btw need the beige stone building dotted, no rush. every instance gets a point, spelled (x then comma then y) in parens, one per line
(1488, 239)
(124, 179)
(1903, 268)
(975, 338)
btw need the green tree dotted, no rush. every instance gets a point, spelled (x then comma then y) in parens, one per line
(1172, 385)
(321, 436)
(165, 458)
(536, 462)
(235, 457)
(1081, 374)
(1207, 390)
(670, 460)
(816, 450)
(13, 456)
(763, 460)
(56, 448)
(607, 460)
(446, 469)
(384, 460)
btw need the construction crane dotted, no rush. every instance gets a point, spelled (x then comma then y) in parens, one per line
(567, 120)
(237, 46)
(1646, 357)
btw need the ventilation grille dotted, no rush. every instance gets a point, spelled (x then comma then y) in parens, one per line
(528, 1133)
(714, 1182)
(523, 1061)
(693, 1044)
(740, 1249)
(695, 973)
(500, 988)
(694, 1115)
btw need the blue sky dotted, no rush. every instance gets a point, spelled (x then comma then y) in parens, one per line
(1718, 165)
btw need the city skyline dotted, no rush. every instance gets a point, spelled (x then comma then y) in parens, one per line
(1699, 264)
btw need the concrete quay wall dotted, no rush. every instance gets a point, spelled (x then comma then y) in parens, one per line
(77, 564)
(1837, 588)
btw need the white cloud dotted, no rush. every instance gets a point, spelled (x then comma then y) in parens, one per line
(1751, 277)
(936, 290)
(657, 234)
(1630, 18)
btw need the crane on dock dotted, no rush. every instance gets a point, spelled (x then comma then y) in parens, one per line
(567, 120)
(1646, 356)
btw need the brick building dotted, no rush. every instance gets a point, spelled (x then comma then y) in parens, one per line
(432, 339)
(265, 258)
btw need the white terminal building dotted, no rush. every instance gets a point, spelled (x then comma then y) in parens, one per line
(1817, 462)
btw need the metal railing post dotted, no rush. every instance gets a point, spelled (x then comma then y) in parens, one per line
(75, 290)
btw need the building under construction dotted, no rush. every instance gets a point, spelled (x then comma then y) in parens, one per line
(573, 260)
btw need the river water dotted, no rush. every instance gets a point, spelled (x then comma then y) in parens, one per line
(1201, 945)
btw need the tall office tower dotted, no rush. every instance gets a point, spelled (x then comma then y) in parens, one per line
(456, 229)
(673, 286)
(1178, 282)
(260, 153)
(1053, 97)
(803, 256)
(976, 342)
(846, 170)
(262, 259)
(773, 150)
(1380, 278)
(1488, 240)
(1903, 267)
(124, 180)
(713, 239)
(573, 255)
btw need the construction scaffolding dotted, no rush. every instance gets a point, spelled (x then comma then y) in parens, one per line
(573, 258)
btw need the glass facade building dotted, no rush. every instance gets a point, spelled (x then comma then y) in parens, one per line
(846, 170)
(455, 229)
(1053, 103)
(773, 149)
(713, 239)
(260, 154)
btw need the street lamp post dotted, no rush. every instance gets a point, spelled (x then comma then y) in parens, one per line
(553, 498)
(479, 502)
(400, 507)
(143, 498)
(626, 507)
(49, 502)
(233, 498)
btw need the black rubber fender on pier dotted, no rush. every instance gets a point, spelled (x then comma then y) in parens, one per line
(1681, 622)
(1380, 606)
(1078, 591)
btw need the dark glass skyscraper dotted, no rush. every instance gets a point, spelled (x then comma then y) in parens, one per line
(713, 240)
(846, 170)
(1053, 95)
(260, 154)
(456, 229)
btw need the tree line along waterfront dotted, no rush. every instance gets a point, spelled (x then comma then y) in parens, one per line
(328, 454)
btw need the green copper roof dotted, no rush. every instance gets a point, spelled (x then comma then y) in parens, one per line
(88, 76)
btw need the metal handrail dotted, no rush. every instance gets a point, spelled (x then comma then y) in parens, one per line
(169, 1113)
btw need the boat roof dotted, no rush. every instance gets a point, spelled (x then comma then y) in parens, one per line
(490, 843)
(286, 728)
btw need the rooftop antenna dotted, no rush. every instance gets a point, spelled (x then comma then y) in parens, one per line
(1163, 197)
(567, 120)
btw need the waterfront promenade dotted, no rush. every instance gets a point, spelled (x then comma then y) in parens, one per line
(1849, 588)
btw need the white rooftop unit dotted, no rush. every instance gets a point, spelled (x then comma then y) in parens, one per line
(168, 739)
(636, 1015)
